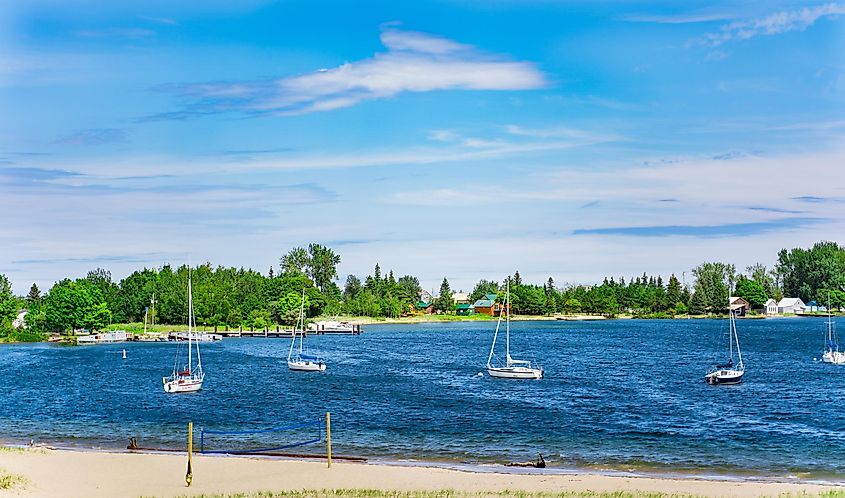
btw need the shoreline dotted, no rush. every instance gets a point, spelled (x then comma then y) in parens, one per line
(95, 473)
(654, 471)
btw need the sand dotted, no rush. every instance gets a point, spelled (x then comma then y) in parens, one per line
(58, 473)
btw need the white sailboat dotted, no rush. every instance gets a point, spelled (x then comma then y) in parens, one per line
(727, 373)
(301, 361)
(832, 353)
(187, 378)
(512, 369)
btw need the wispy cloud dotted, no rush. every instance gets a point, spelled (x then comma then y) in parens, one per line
(94, 136)
(414, 62)
(130, 33)
(777, 23)
(706, 231)
(138, 258)
(160, 20)
(682, 18)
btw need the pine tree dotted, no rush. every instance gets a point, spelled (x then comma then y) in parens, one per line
(34, 295)
(444, 302)
(517, 278)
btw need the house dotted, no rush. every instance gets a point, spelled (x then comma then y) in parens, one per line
(813, 306)
(487, 305)
(791, 305)
(463, 309)
(425, 308)
(20, 321)
(771, 307)
(460, 298)
(738, 305)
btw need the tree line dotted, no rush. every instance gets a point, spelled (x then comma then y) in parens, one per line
(244, 297)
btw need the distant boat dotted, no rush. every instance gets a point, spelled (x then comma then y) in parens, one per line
(105, 337)
(301, 361)
(336, 327)
(832, 353)
(512, 369)
(187, 378)
(727, 373)
(196, 336)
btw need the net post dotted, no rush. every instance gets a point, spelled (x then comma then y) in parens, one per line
(329, 439)
(189, 476)
(202, 440)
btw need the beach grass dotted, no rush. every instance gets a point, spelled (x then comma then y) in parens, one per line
(442, 493)
(10, 481)
(450, 493)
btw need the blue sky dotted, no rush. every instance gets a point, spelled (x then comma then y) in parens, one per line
(456, 138)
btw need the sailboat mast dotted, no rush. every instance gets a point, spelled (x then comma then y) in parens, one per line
(301, 319)
(508, 322)
(190, 319)
(495, 335)
(738, 351)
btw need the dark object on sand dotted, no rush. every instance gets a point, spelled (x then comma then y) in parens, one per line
(539, 464)
(133, 444)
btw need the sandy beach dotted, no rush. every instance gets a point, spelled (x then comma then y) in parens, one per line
(55, 473)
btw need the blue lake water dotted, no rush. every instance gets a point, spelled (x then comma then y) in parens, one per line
(618, 394)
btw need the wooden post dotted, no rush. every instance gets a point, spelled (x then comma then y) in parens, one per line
(189, 476)
(329, 439)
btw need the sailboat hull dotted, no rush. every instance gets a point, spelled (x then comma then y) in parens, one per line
(834, 357)
(515, 372)
(182, 384)
(307, 366)
(724, 377)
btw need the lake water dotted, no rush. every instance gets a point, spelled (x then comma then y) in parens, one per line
(623, 394)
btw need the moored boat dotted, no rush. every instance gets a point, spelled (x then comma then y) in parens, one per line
(301, 361)
(726, 373)
(188, 378)
(511, 369)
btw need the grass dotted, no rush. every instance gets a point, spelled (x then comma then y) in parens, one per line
(10, 481)
(442, 493)
(20, 449)
(450, 493)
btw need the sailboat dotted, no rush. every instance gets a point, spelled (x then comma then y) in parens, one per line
(301, 361)
(832, 353)
(727, 373)
(512, 369)
(188, 378)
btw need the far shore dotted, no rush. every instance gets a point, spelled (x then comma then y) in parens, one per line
(138, 328)
(42, 472)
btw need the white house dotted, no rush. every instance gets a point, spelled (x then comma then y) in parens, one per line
(460, 297)
(20, 321)
(771, 307)
(791, 305)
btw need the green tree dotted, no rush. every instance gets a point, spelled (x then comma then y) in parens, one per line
(322, 266)
(296, 260)
(74, 304)
(444, 302)
(352, 287)
(752, 291)
(712, 284)
(673, 292)
(482, 288)
(34, 294)
(805, 271)
(409, 288)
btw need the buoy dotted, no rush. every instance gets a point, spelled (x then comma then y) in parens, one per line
(124, 354)
(480, 374)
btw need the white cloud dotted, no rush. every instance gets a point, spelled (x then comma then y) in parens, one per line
(780, 22)
(414, 62)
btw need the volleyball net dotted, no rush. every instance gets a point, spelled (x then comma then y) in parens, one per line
(263, 440)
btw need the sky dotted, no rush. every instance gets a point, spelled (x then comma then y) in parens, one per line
(457, 138)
